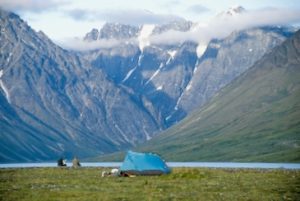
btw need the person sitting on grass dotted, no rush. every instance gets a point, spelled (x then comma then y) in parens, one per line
(76, 163)
(61, 162)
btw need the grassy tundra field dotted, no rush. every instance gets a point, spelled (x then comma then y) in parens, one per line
(42, 184)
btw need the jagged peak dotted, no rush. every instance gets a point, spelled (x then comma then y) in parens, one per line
(118, 31)
(232, 11)
(116, 25)
(235, 10)
(92, 35)
(177, 25)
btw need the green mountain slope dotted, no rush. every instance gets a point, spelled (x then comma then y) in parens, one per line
(255, 118)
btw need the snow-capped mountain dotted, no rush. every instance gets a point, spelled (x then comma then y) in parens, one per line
(55, 102)
(233, 11)
(149, 70)
(173, 79)
(93, 35)
(178, 25)
(112, 31)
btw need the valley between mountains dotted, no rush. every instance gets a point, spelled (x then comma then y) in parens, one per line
(233, 98)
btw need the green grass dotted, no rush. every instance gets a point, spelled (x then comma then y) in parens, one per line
(182, 184)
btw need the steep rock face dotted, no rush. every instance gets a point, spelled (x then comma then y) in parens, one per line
(118, 31)
(17, 137)
(68, 105)
(170, 78)
(112, 31)
(92, 35)
(254, 118)
(148, 70)
(224, 60)
(178, 25)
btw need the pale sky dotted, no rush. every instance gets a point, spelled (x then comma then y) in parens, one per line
(61, 19)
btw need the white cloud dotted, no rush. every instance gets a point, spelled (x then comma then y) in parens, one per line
(139, 17)
(202, 34)
(255, 18)
(81, 45)
(172, 36)
(197, 9)
(30, 5)
(132, 17)
(80, 14)
(222, 27)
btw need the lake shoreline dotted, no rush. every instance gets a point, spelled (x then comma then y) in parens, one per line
(225, 165)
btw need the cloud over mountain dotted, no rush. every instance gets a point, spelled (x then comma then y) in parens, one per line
(222, 26)
(81, 45)
(197, 9)
(132, 17)
(31, 5)
(218, 27)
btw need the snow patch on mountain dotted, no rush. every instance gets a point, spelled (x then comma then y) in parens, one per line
(148, 137)
(140, 59)
(168, 117)
(145, 33)
(201, 49)
(155, 73)
(178, 102)
(172, 53)
(129, 74)
(3, 87)
(121, 132)
(189, 86)
(172, 56)
(159, 88)
(8, 58)
(169, 60)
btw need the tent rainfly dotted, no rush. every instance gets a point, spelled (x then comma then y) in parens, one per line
(143, 164)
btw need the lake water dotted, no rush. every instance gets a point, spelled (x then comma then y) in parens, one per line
(170, 164)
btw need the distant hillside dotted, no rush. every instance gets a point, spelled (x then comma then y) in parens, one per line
(255, 118)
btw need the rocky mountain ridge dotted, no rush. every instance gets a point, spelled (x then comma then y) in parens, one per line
(67, 106)
(255, 118)
(172, 77)
(57, 103)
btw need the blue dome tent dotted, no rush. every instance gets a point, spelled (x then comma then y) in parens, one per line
(143, 164)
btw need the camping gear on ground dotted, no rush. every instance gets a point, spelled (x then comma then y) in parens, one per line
(104, 174)
(114, 172)
(143, 164)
